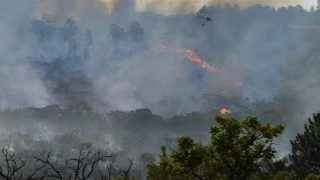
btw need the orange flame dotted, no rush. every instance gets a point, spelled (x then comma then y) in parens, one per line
(193, 57)
(224, 111)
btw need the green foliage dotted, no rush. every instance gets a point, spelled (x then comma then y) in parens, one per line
(305, 155)
(283, 175)
(237, 150)
(313, 177)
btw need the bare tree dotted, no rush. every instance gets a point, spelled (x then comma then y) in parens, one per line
(88, 164)
(11, 166)
(50, 170)
(78, 168)
(87, 161)
(126, 172)
(108, 170)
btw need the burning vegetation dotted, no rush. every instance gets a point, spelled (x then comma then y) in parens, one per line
(224, 111)
(193, 57)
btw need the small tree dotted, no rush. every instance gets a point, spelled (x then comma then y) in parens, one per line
(305, 154)
(237, 150)
(79, 168)
(12, 166)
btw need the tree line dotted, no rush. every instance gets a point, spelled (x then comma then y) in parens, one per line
(86, 163)
(238, 149)
(241, 149)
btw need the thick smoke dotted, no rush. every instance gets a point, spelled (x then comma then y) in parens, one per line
(123, 56)
(127, 60)
(66, 8)
(20, 84)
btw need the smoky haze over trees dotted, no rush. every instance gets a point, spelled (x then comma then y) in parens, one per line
(119, 62)
(127, 81)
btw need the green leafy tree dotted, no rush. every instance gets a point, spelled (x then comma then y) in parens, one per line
(312, 177)
(237, 150)
(305, 154)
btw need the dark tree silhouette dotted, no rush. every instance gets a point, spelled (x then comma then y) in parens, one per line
(305, 155)
(78, 168)
(236, 150)
(11, 166)
(50, 169)
(108, 170)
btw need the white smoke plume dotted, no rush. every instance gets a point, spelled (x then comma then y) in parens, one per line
(20, 85)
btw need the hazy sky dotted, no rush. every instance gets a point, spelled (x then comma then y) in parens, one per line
(167, 7)
(174, 6)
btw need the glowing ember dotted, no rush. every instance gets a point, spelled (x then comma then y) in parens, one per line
(224, 111)
(193, 57)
